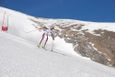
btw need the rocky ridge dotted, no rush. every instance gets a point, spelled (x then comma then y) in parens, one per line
(98, 45)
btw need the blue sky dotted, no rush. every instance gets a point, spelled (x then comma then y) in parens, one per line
(88, 10)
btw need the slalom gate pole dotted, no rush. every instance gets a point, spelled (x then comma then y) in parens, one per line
(3, 28)
(3, 22)
(8, 20)
(7, 23)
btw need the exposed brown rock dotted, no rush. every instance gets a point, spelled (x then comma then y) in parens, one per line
(103, 50)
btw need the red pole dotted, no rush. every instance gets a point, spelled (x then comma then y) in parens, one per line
(4, 26)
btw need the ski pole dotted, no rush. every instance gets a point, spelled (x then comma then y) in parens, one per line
(31, 31)
(52, 47)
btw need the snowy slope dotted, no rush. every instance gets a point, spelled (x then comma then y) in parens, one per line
(24, 28)
(99, 26)
(19, 58)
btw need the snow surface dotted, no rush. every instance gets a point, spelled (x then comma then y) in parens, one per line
(20, 57)
(96, 26)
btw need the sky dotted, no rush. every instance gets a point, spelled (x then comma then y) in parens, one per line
(86, 10)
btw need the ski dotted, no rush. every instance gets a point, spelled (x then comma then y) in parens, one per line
(44, 48)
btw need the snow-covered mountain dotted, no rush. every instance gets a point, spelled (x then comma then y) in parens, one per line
(21, 57)
(90, 39)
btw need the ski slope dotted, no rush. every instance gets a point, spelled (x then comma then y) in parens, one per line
(20, 57)
(24, 28)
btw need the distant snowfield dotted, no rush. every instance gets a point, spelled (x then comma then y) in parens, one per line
(20, 57)
(97, 26)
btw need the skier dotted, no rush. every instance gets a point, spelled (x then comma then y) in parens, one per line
(47, 32)
(4, 26)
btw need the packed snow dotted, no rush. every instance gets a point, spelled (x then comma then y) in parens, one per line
(20, 56)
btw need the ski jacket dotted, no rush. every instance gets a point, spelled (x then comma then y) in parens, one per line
(48, 32)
